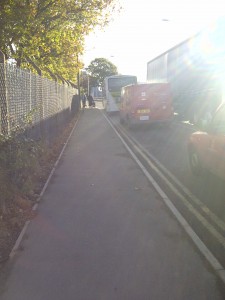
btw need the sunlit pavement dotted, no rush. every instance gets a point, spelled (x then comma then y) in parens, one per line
(102, 232)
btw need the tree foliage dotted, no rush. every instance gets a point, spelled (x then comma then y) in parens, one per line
(51, 33)
(100, 68)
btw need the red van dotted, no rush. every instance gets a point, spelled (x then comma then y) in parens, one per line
(146, 103)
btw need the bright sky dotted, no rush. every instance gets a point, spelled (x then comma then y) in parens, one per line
(138, 33)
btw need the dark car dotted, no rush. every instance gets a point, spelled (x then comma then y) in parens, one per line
(206, 148)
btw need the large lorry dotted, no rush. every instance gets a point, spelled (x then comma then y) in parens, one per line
(195, 71)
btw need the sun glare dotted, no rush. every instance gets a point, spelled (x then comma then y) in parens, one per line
(145, 29)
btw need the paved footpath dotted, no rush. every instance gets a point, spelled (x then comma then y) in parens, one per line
(103, 233)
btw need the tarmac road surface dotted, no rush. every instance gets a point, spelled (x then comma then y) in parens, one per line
(103, 233)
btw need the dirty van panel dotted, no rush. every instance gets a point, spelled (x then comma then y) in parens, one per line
(162, 104)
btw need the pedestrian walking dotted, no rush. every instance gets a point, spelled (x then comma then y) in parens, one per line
(90, 100)
(84, 99)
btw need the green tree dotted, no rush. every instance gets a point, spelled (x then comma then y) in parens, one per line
(51, 33)
(100, 68)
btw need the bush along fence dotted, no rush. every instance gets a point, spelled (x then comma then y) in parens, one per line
(33, 111)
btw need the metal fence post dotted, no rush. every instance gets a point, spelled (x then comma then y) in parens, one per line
(4, 121)
(30, 91)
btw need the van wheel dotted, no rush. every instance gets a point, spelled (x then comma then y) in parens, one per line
(195, 163)
(121, 120)
(128, 123)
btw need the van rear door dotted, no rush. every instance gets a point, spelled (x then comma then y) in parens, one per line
(161, 104)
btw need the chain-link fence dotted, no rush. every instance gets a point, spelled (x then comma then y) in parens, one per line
(28, 100)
